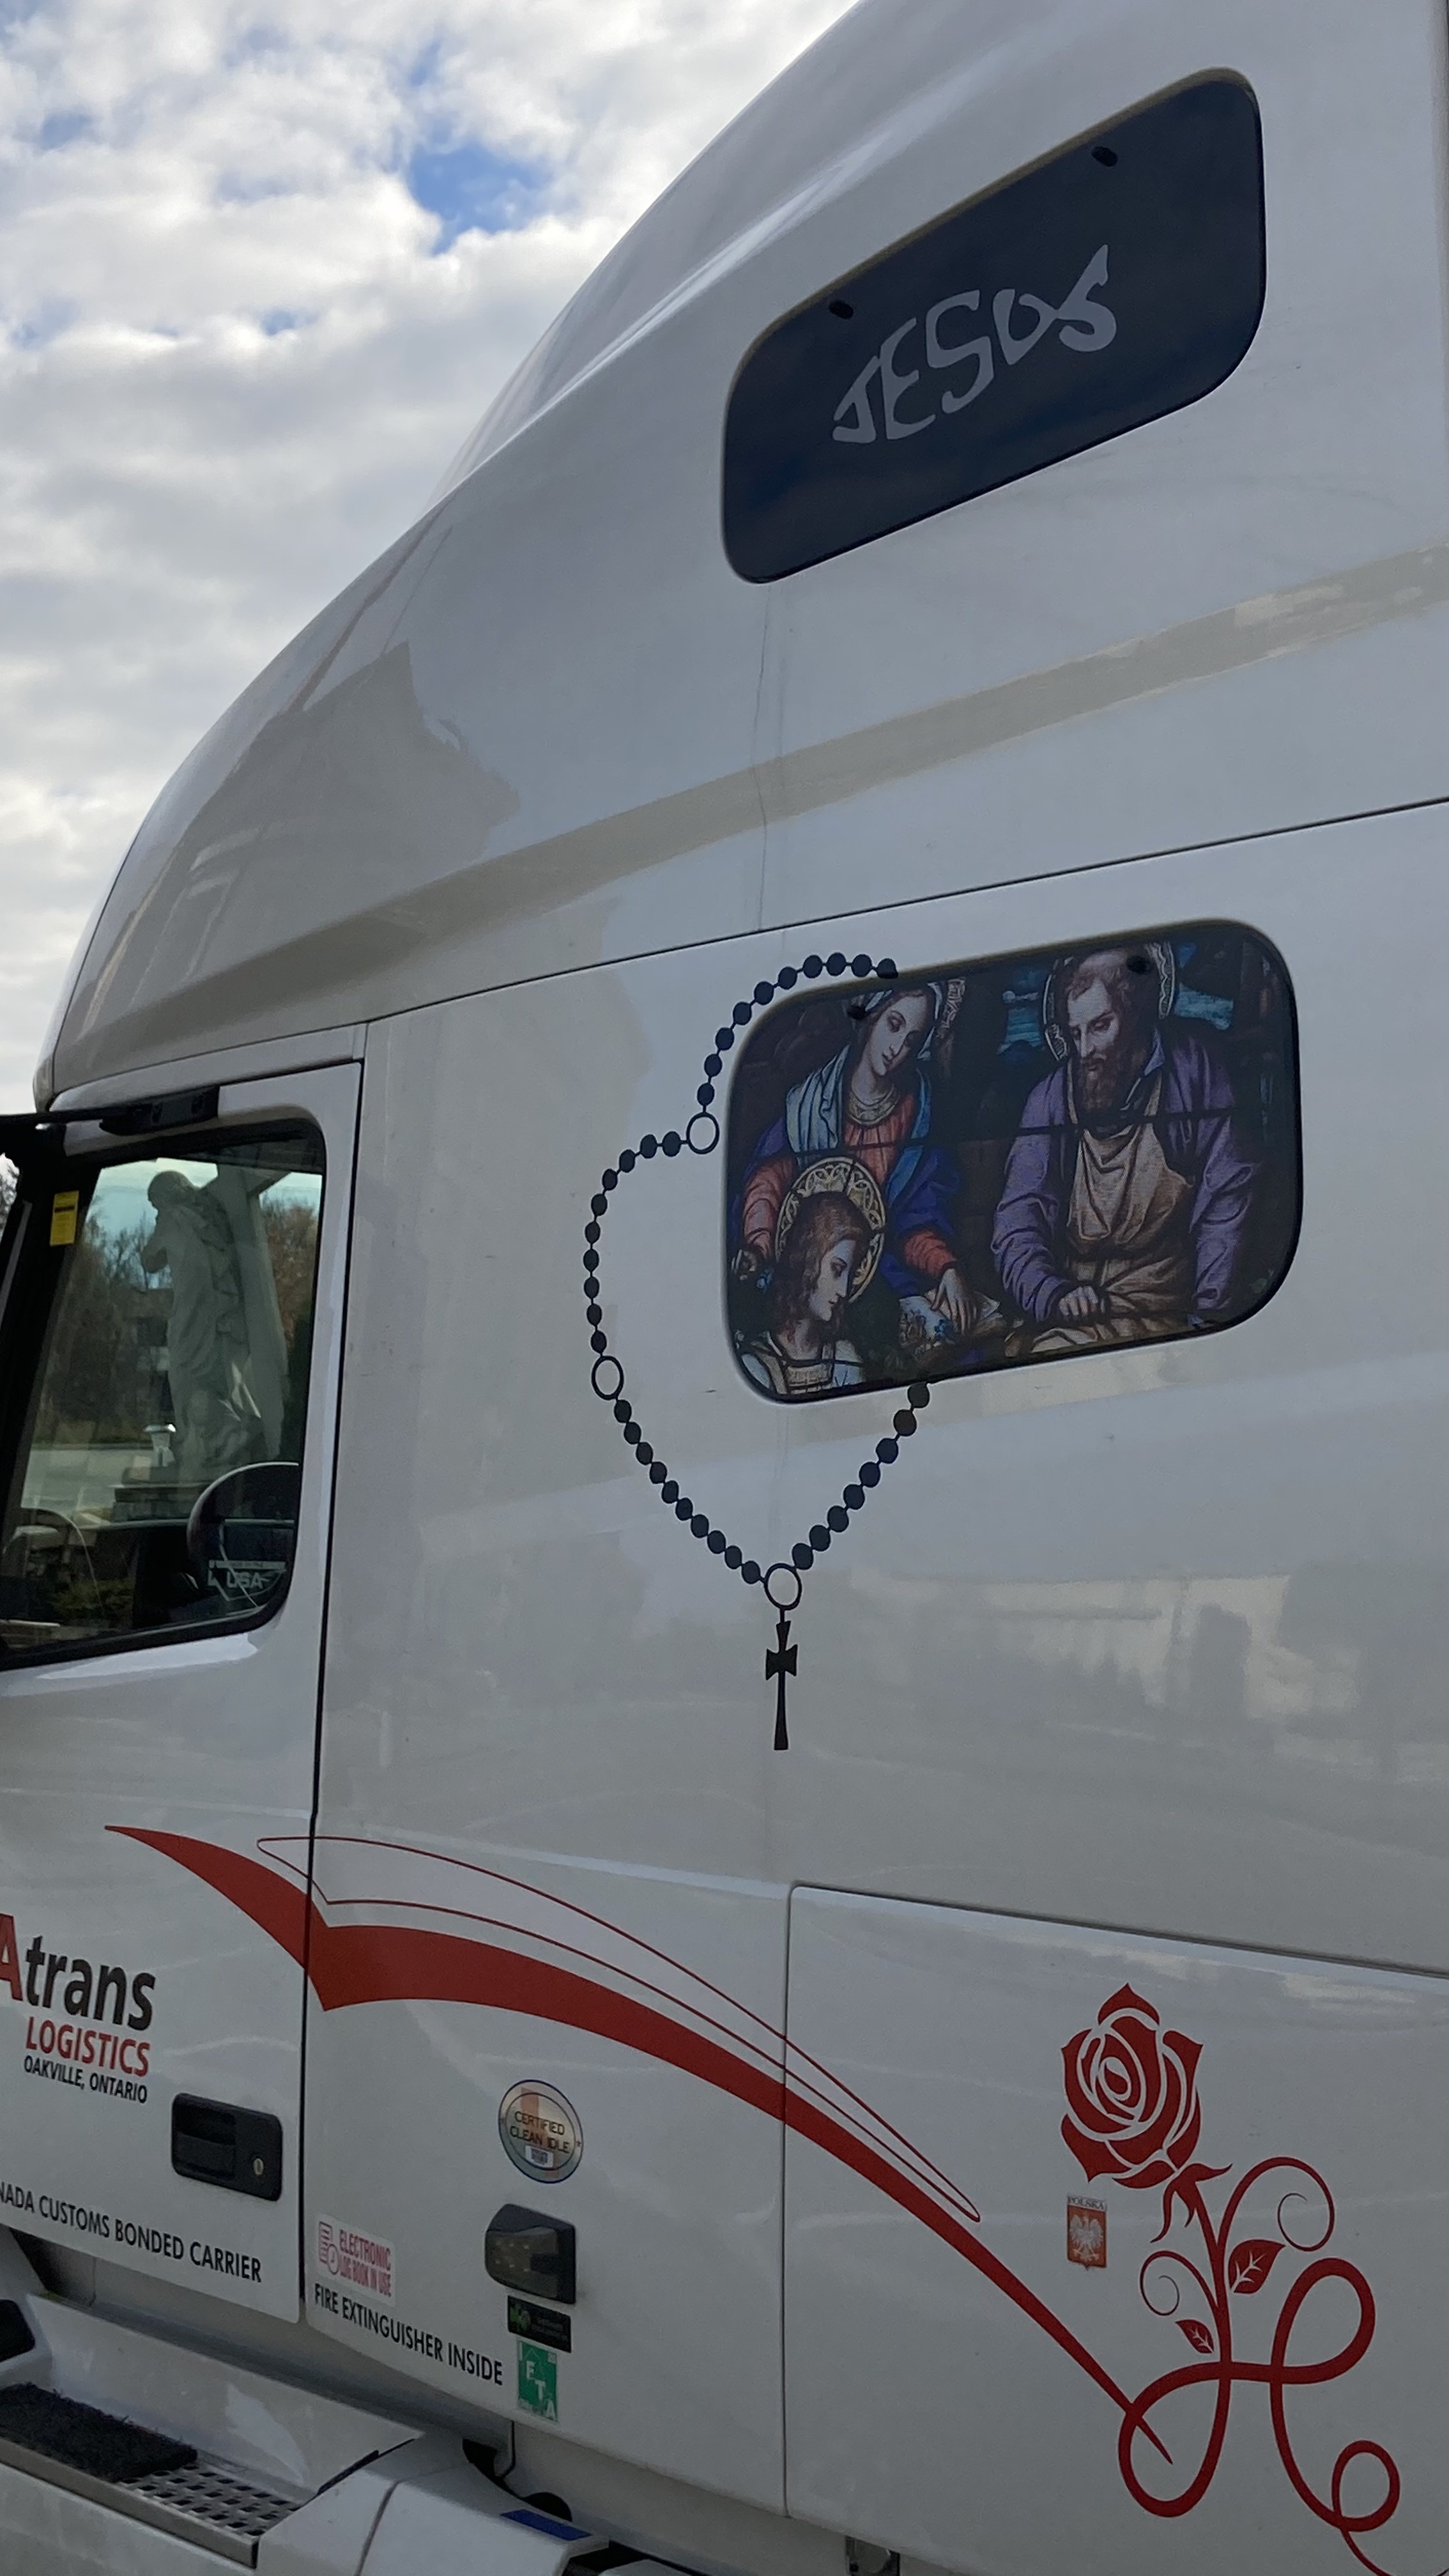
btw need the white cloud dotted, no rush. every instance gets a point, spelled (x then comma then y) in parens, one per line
(235, 357)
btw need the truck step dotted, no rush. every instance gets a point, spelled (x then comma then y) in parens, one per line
(81, 2437)
(142, 2474)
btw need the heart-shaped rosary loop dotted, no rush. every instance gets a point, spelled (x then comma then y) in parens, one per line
(783, 1583)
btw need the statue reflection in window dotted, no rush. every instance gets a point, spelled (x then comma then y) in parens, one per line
(226, 1352)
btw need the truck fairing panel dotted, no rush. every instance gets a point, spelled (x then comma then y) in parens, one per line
(551, 725)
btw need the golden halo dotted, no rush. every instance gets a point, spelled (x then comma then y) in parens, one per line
(850, 1180)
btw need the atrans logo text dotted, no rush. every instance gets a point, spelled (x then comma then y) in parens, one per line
(51, 1981)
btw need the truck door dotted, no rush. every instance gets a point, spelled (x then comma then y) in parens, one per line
(172, 1285)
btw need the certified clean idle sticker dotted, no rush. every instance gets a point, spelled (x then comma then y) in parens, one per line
(541, 2132)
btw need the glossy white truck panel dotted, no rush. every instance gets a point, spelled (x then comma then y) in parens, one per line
(1151, 1635)
(458, 1977)
(1198, 2316)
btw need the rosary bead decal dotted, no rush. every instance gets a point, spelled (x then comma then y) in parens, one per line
(783, 1583)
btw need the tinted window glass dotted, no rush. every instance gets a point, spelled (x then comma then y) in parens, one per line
(985, 1164)
(1118, 281)
(157, 1478)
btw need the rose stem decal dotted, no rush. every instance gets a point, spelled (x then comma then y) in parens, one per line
(1133, 2116)
(784, 1582)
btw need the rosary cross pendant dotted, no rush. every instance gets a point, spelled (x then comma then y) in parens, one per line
(781, 1661)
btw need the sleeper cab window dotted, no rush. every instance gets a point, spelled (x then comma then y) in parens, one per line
(157, 1348)
(1114, 283)
(1063, 1151)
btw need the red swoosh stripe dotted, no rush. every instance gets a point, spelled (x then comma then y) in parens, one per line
(377, 1963)
(278, 1904)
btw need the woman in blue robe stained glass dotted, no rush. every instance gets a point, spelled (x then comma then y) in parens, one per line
(870, 1107)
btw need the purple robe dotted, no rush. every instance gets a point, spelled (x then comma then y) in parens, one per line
(1195, 1126)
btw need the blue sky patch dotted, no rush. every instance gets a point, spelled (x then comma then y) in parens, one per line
(233, 188)
(425, 66)
(44, 324)
(471, 189)
(57, 131)
(254, 44)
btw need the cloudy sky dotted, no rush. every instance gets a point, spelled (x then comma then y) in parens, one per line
(259, 275)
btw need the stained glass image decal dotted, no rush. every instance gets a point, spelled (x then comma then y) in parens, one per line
(985, 1164)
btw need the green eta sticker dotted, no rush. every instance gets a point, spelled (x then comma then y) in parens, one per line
(538, 2381)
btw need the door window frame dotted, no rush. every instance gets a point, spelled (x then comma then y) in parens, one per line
(70, 1150)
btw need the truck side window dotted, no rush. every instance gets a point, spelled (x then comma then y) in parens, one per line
(1116, 282)
(165, 1344)
(985, 1164)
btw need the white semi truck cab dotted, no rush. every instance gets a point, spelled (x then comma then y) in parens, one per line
(724, 1575)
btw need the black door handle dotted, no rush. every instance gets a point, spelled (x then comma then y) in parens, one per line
(220, 2143)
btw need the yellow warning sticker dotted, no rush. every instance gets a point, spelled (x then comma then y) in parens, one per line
(64, 1211)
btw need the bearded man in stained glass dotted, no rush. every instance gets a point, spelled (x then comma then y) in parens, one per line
(1127, 1191)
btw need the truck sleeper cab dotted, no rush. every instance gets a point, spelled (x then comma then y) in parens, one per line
(723, 1757)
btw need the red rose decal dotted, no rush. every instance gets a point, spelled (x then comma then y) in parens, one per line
(1132, 2106)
